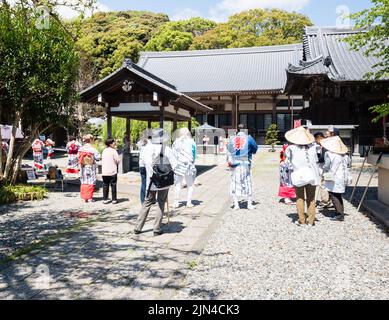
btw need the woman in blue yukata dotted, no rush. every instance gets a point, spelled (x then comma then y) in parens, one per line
(240, 151)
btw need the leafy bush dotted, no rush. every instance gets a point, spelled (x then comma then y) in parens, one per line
(272, 137)
(10, 193)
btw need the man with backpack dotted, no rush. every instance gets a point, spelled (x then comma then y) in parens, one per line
(159, 163)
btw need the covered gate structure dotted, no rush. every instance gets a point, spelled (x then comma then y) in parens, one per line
(134, 93)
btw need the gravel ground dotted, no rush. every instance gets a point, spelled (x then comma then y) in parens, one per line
(24, 223)
(261, 254)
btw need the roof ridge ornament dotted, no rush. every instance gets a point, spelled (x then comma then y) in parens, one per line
(127, 63)
(127, 85)
(327, 61)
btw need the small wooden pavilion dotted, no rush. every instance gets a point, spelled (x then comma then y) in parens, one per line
(133, 93)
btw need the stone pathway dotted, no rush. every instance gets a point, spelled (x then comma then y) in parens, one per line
(62, 248)
(261, 254)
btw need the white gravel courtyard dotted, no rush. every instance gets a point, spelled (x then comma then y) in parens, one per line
(261, 254)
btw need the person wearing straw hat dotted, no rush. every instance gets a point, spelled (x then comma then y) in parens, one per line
(305, 172)
(332, 132)
(336, 173)
(155, 153)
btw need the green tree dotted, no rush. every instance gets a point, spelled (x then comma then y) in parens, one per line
(272, 137)
(137, 128)
(179, 35)
(375, 43)
(109, 37)
(119, 130)
(38, 70)
(255, 27)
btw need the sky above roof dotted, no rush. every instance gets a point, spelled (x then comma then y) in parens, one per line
(322, 13)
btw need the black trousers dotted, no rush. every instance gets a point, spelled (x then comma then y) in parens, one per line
(337, 200)
(107, 181)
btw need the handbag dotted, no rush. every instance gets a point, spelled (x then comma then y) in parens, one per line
(302, 177)
(329, 176)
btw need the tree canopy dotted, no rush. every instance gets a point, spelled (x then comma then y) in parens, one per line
(376, 42)
(179, 35)
(38, 71)
(107, 38)
(255, 27)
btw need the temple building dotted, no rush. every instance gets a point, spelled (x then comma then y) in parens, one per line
(332, 79)
(242, 86)
(321, 82)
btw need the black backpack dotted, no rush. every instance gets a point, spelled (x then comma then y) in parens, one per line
(163, 174)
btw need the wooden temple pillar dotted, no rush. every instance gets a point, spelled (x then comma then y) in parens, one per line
(175, 120)
(190, 121)
(235, 112)
(161, 117)
(274, 111)
(128, 128)
(109, 119)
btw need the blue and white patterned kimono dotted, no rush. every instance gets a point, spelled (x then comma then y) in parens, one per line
(184, 150)
(240, 151)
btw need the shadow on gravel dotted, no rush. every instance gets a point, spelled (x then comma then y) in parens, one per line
(202, 169)
(293, 216)
(204, 294)
(91, 264)
(22, 231)
(372, 194)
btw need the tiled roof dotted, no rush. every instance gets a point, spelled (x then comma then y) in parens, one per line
(326, 53)
(256, 69)
(131, 68)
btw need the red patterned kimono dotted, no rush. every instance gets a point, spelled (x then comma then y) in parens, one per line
(50, 148)
(73, 167)
(37, 148)
(88, 174)
(287, 190)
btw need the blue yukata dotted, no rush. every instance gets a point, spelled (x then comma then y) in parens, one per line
(240, 151)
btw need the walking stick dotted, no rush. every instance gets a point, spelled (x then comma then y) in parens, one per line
(360, 173)
(168, 211)
(371, 178)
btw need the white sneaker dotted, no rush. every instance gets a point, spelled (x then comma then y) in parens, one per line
(288, 201)
(338, 217)
(297, 223)
(190, 205)
(251, 207)
(236, 207)
(176, 205)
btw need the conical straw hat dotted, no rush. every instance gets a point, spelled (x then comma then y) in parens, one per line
(299, 136)
(335, 145)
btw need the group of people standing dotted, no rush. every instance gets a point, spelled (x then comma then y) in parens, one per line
(307, 163)
(180, 158)
(180, 164)
(82, 161)
(38, 147)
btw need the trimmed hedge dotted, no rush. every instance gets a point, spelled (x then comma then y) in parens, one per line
(10, 193)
